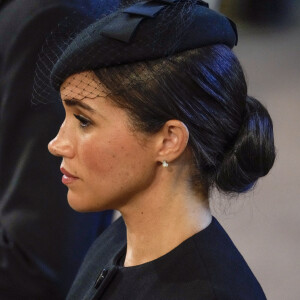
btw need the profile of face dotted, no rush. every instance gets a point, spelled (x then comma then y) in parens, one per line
(104, 161)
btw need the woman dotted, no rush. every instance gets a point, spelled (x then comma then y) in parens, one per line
(157, 115)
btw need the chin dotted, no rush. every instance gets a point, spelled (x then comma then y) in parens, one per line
(83, 205)
(78, 203)
(79, 207)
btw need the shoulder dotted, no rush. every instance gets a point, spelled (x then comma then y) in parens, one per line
(20, 22)
(101, 253)
(16, 10)
(228, 272)
(111, 240)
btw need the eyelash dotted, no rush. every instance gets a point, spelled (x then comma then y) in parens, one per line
(84, 122)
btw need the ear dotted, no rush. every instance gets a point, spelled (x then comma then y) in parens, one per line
(172, 141)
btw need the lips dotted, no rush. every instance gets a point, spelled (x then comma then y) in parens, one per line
(67, 177)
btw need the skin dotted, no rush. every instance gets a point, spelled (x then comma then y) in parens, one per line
(120, 168)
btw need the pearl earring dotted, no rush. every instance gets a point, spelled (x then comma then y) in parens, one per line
(165, 164)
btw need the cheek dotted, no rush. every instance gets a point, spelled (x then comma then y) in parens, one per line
(96, 158)
(110, 158)
(111, 171)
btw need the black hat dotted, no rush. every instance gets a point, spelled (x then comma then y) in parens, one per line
(143, 31)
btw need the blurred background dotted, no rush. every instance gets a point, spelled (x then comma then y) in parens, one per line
(265, 223)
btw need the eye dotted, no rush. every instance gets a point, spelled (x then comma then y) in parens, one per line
(84, 122)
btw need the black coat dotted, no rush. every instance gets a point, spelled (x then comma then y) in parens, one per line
(207, 266)
(42, 240)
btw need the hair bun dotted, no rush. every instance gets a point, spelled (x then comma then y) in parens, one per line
(253, 153)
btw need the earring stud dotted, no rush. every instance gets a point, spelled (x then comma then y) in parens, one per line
(165, 164)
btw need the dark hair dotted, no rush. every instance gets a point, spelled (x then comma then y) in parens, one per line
(231, 134)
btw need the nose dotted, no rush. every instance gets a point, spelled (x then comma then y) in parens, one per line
(61, 145)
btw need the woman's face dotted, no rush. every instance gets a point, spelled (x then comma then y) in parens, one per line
(104, 162)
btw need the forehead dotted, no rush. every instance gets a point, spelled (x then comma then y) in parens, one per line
(82, 85)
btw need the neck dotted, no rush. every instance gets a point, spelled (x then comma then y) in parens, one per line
(161, 221)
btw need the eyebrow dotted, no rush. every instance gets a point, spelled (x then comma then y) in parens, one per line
(75, 102)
